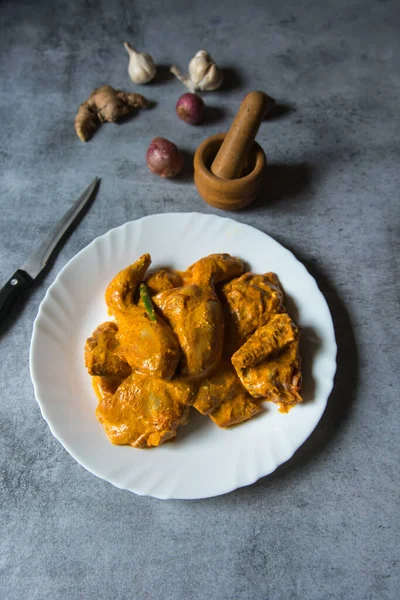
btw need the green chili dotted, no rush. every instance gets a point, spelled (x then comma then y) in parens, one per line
(145, 296)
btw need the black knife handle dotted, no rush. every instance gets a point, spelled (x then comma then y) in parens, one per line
(12, 290)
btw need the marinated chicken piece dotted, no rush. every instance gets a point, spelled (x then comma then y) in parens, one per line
(120, 293)
(268, 364)
(194, 313)
(148, 346)
(222, 385)
(213, 268)
(102, 356)
(248, 302)
(240, 408)
(105, 387)
(145, 411)
(162, 280)
(224, 399)
(267, 340)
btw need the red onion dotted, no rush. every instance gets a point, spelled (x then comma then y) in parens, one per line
(164, 158)
(190, 108)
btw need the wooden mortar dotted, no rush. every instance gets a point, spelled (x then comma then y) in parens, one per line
(229, 167)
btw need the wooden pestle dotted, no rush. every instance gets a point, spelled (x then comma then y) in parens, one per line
(234, 150)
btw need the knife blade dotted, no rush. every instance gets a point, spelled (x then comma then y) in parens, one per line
(24, 277)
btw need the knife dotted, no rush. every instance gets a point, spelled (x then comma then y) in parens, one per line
(24, 277)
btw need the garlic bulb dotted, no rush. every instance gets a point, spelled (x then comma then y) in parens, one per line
(203, 75)
(204, 72)
(141, 66)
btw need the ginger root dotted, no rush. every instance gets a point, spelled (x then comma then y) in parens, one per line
(105, 104)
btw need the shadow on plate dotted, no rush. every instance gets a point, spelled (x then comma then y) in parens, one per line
(310, 343)
(309, 346)
(197, 423)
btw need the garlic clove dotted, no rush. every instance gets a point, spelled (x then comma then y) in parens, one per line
(141, 66)
(211, 80)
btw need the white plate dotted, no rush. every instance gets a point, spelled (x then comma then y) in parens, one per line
(204, 460)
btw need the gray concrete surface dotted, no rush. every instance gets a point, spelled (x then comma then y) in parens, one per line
(325, 525)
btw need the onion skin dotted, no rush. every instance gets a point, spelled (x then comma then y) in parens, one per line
(164, 158)
(190, 108)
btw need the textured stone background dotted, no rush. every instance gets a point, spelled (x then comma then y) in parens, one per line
(324, 525)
